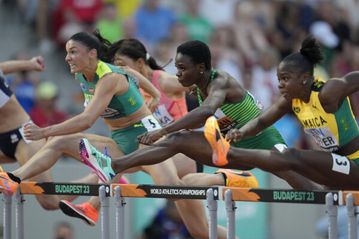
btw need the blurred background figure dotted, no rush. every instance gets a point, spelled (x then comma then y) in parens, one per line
(46, 112)
(24, 84)
(153, 22)
(167, 224)
(109, 23)
(63, 230)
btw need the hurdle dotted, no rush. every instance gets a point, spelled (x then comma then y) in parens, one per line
(212, 195)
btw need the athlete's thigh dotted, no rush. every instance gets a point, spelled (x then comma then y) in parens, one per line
(162, 173)
(326, 168)
(24, 151)
(69, 144)
(184, 165)
(192, 144)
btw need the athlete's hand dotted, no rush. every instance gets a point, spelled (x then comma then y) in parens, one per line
(33, 132)
(153, 103)
(150, 137)
(37, 63)
(234, 135)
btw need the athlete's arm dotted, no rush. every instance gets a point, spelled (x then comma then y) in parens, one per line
(195, 118)
(147, 86)
(106, 88)
(217, 93)
(336, 89)
(267, 118)
(34, 64)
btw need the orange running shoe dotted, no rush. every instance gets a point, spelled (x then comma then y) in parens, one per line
(219, 144)
(7, 185)
(241, 179)
(84, 211)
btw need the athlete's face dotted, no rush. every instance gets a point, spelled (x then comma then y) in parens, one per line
(188, 73)
(290, 82)
(123, 60)
(78, 56)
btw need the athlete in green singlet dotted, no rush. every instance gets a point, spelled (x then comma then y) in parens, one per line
(220, 95)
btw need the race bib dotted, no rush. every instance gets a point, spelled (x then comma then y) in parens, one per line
(162, 115)
(341, 164)
(224, 122)
(150, 123)
(324, 138)
(280, 147)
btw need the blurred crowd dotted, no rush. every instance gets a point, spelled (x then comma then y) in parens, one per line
(247, 38)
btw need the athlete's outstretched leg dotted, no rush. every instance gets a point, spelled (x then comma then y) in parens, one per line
(318, 166)
(190, 143)
(59, 146)
(24, 152)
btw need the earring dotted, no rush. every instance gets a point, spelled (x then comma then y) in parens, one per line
(201, 72)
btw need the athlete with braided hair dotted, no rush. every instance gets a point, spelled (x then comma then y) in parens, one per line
(324, 110)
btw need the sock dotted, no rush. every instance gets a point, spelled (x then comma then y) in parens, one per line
(224, 178)
(14, 178)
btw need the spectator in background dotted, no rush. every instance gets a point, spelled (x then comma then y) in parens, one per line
(198, 27)
(264, 83)
(72, 16)
(167, 224)
(109, 23)
(63, 230)
(45, 112)
(125, 8)
(225, 55)
(153, 22)
(322, 31)
(218, 12)
(23, 84)
(250, 38)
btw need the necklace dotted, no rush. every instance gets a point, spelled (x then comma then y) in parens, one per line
(211, 77)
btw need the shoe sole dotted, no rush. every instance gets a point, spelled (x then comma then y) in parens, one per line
(211, 138)
(90, 161)
(71, 211)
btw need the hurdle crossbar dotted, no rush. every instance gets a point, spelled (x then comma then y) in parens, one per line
(282, 195)
(212, 194)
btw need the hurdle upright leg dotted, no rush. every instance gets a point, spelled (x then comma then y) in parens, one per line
(212, 206)
(19, 216)
(352, 224)
(105, 213)
(332, 212)
(7, 216)
(231, 209)
(120, 214)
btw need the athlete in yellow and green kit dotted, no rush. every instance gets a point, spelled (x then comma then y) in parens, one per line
(324, 111)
